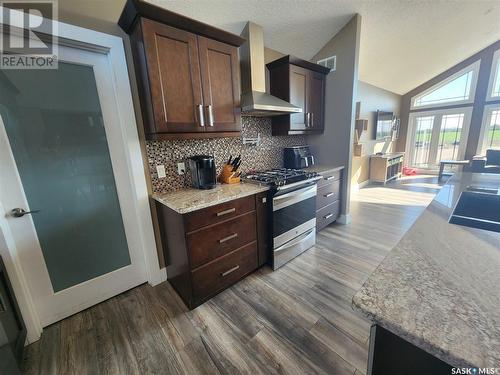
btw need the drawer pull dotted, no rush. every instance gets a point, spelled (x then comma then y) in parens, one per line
(329, 178)
(222, 213)
(229, 271)
(328, 195)
(234, 235)
(327, 216)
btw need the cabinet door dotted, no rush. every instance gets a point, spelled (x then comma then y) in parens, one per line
(221, 85)
(316, 101)
(174, 76)
(298, 96)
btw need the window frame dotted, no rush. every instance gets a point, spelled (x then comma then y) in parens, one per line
(495, 64)
(488, 109)
(474, 67)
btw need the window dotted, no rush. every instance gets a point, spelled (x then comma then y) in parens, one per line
(449, 136)
(494, 85)
(421, 145)
(457, 89)
(491, 128)
(437, 135)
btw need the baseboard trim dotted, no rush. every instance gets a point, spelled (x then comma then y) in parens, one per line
(158, 277)
(344, 219)
(359, 186)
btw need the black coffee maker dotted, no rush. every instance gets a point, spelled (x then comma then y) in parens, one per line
(203, 174)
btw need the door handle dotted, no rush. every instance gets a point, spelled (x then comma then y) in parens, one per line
(19, 212)
(210, 115)
(312, 119)
(201, 115)
(308, 119)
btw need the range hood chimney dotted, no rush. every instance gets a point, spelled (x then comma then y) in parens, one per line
(254, 99)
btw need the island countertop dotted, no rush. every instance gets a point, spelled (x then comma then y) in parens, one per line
(439, 288)
(189, 199)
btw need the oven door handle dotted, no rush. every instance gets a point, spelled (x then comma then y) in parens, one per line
(296, 240)
(285, 200)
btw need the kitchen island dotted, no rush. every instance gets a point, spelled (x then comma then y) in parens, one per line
(439, 288)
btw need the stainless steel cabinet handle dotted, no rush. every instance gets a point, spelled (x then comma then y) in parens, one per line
(328, 195)
(329, 178)
(210, 115)
(201, 115)
(225, 212)
(229, 271)
(312, 119)
(19, 212)
(327, 216)
(234, 235)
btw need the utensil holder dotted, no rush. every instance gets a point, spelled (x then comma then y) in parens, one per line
(227, 176)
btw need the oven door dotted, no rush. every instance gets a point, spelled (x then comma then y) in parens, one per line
(294, 213)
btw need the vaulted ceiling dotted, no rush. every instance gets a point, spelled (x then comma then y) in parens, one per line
(403, 43)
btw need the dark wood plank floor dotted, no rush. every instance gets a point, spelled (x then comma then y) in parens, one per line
(297, 320)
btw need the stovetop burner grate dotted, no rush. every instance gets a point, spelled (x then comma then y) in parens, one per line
(280, 176)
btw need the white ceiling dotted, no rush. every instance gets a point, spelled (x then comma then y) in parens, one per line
(403, 43)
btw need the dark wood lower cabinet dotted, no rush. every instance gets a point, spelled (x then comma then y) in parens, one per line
(210, 249)
(328, 198)
(391, 355)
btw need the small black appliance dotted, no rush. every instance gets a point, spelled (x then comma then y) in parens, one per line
(203, 174)
(298, 157)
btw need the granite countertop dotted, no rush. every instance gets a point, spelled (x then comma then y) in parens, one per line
(189, 199)
(320, 168)
(439, 288)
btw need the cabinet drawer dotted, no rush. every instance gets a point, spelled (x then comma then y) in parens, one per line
(223, 272)
(327, 215)
(216, 214)
(328, 194)
(214, 241)
(328, 177)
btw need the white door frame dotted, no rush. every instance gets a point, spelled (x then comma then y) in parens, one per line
(112, 48)
(438, 115)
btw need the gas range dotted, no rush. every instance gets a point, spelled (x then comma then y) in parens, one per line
(282, 178)
(292, 211)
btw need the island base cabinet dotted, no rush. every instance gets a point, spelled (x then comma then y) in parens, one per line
(389, 354)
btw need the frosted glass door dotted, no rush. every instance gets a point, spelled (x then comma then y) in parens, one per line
(54, 123)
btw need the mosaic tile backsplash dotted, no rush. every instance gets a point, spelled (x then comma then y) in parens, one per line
(269, 154)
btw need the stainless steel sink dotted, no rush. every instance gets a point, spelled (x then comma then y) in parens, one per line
(478, 208)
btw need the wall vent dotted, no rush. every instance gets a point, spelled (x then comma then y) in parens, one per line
(329, 62)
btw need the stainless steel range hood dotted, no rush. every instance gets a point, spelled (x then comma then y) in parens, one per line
(254, 99)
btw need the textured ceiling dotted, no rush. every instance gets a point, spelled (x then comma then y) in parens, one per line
(403, 43)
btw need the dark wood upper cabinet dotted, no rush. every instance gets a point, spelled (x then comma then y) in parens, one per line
(221, 85)
(174, 78)
(302, 83)
(298, 96)
(316, 101)
(187, 73)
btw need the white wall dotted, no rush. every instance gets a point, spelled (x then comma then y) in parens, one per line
(372, 98)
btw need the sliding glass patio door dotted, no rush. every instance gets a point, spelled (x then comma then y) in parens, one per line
(437, 135)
